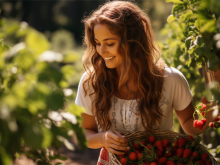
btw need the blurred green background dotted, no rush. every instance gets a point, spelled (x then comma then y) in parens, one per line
(59, 21)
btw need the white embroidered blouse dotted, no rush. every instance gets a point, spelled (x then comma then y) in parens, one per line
(124, 114)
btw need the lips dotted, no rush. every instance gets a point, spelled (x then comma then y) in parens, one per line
(109, 58)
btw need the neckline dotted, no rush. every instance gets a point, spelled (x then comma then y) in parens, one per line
(124, 99)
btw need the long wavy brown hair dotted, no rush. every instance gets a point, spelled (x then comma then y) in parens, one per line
(141, 55)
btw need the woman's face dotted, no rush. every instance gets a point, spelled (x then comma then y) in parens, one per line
(107, 45)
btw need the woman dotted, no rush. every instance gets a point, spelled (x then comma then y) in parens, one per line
(126, 87)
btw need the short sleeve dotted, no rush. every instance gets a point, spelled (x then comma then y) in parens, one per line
(81, 99)
(182, 95)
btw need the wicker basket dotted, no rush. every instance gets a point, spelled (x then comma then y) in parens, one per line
(170, 135)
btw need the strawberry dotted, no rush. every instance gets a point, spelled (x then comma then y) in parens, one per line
(153, 163)
(148, 146)
(216, 125)
(168, 154)
(159, 153)
(174, 144)
(181, 142)
(217, 118)
(139, 155)
(208, 162)
(151, 139)
(137, 152)
(199, 162)
(204, 121)
(200, 124)
(168, 148)
(159, 145)
(179, 152)
(123, 161)
(204, 156)
(189, 138)
(132, 156)
(186, 153)
(162, 160)
(211, 124)
(195, 123)
(195, 154)
(203, 113)
(147, 163)
(165, 142)
(142, 142)
(170, 162)
(120, 156)
(136, 146)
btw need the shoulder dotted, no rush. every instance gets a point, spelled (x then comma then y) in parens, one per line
(170, 72)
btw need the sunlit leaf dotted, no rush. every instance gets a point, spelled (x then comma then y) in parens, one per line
(170, 18)
(37, 42)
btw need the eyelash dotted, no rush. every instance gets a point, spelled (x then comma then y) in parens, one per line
(106, 44)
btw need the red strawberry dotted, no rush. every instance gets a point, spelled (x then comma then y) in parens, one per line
(147, 163)
(190, 138)
(199, 162)
(195, 123)
(165, 142)
(204, 156)
(186, 153)
(123, 161)
(208, 162)
(170, 162)
(200, 124)
(179, 152)
(162, 160)
(142, 142)
(204, 121)
(195, 154)
(169, 154)
(174, 144)
(203, 113)
(181, 142)
(151, 139)
(159, 145)
(153, 163)
(132, 156)
(137, 152)
(139, 155)
(136, 146)
(148, 146)
(168, 148)
(217, 118)
(159, 153)
(120, 156)
(211, 124)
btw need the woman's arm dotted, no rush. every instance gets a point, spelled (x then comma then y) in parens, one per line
(111, 140)
(186, 120)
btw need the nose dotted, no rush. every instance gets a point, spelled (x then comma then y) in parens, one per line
(102, 50)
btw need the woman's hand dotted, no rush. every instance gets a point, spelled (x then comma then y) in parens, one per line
(211, 115)
(114, 142)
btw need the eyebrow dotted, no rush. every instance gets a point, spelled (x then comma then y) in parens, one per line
(107, 39)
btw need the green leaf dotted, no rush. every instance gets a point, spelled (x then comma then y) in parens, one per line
(186, 16)
(171, 18)
(213, 63)
(209, 26)
(175, 1)
(4, 157)
(37, 42)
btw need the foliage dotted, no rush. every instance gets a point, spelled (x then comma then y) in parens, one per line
(193, 41)
(37, 112)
